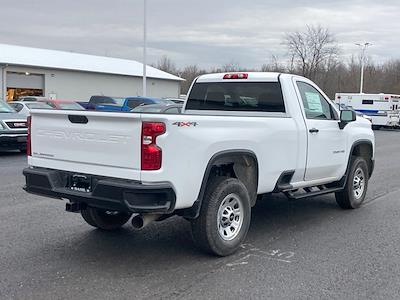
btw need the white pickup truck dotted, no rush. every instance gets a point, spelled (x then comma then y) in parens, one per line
(241, 135)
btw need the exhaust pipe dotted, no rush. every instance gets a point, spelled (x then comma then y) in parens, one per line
(141, 221)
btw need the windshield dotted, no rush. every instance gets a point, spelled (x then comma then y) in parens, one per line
(5, 108)
(151, 109)
(167, 101)
(38, 105)
(70, 106)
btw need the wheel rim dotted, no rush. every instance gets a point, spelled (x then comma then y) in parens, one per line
(111, 213)
(358, 183)
(230, 217)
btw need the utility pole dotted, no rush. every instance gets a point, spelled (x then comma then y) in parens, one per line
(144, 48)
(363, 48)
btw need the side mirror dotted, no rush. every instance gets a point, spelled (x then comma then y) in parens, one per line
(347, 116)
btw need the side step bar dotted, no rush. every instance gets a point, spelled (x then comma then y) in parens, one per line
(311, 192)
(318, 190)
(283, 186)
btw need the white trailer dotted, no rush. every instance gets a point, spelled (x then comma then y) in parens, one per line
(384, 109)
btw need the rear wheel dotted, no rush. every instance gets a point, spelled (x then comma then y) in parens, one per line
(353, 195)
(104, 219)
(224, 217)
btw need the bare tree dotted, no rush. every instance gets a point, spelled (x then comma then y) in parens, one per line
(166, 64)
(311, 50)
(189, 73)
(232, 66)
(273, 65)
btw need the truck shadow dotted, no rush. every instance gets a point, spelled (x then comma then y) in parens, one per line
(167, 245)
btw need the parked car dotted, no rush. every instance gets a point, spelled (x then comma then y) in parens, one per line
(115, 104)
(24, 108)
(240, 135)
(176, 100)
(63, 104)
(13, 129)
(159, 108)
(97, 100)
(129, 103)
(31, 98)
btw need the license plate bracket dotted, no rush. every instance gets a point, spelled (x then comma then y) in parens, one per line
(80, 183)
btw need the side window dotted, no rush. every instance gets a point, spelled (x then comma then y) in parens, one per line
(18, 107)
(315, 105)
(134, 103)
(370, 102)
(101, 100)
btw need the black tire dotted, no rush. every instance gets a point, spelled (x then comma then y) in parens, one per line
(103, 219)
(205, 228)
(347, 198)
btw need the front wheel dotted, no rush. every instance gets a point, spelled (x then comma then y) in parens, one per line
(104, 219)
(353, 194)
(224, 217)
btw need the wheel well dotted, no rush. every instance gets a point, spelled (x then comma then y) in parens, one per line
(241, 164)
(365, 151)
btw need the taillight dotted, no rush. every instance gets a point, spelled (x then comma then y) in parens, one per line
(151, 153)
(236, 76)
(28, 137)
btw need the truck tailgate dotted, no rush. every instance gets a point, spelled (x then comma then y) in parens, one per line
(88, 142)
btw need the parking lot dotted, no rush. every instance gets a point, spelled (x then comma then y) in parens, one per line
(295, 250)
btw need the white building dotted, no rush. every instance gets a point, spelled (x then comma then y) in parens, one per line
(65, 75)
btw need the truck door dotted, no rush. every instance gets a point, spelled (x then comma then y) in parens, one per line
(326, 156)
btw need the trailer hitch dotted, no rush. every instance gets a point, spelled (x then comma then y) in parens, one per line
(75, 207)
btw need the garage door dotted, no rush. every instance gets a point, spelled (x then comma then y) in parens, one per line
(24, 84)
(24, 81)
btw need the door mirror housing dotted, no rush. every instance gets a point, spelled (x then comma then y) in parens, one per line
(347, 116)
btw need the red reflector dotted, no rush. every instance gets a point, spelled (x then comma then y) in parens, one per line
(28, 138)
(151, 153)
(236, 76)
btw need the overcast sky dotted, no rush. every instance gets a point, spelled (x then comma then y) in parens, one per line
(206, 32)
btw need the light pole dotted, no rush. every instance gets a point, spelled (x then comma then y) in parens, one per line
(144, 48)
(363, 48)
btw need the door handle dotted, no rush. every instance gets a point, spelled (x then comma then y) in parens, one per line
(314, 130)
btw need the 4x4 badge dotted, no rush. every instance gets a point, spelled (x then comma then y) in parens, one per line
(185, 124)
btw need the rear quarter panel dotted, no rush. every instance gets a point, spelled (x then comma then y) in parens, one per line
(187, 150)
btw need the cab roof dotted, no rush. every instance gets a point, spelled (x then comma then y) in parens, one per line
(250, 76)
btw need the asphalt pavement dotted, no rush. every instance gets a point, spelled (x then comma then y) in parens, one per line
(305, 249)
